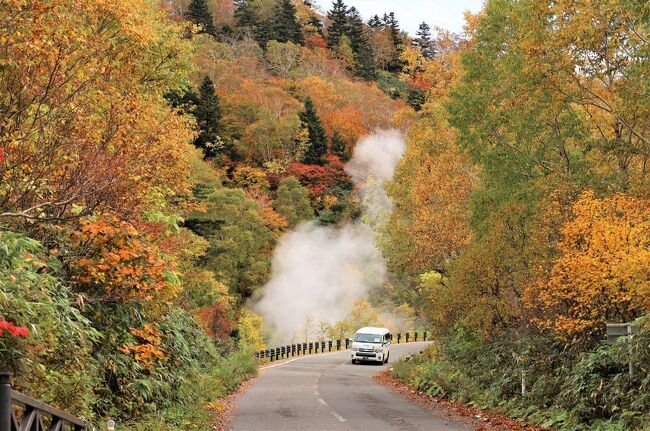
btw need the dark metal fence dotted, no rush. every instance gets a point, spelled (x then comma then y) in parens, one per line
(36, 416)
(292, 350)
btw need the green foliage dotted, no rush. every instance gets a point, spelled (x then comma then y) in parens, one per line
(292, 201)
(239, 242)
(30, 296)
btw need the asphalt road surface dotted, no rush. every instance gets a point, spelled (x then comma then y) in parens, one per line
(327, 392)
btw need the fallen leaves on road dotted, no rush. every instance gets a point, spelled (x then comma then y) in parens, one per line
(483, 420)
(228, 407)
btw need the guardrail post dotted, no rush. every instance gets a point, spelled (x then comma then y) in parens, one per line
(272, 355)
(304, 348)
(415, 336)
(399, 337)
(322, 346)
(338, 344)
(5, 401)
(425, 336)
(316, 344)
(329, 345)
(347, 343)
(311, 347)
(407, 337)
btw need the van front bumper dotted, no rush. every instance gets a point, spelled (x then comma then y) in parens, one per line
(359, 356)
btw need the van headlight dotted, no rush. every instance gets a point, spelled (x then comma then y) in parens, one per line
(378, 349)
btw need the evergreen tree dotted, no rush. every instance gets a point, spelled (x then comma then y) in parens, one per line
(264, 33)
(375, 22)
(317, 137)
(199, 13)
(424, 41)
(364, 55)
(286, 27)
(246, 14)
(339, 147)
(208, 116)
(338, 23)
(392, 25)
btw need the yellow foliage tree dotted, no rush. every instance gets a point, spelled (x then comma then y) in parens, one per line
(603, 274)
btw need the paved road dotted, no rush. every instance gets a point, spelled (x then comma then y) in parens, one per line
(327, 392)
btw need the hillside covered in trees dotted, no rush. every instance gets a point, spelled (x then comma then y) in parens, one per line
(153, 153)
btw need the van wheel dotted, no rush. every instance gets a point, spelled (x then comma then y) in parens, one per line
(386, 359)
(354, 361)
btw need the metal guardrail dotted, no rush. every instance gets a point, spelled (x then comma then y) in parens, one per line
(310, 348)
(34, 412)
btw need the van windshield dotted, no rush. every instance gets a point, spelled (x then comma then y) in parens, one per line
(367, 338)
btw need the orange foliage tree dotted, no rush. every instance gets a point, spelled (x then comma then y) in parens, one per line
(120, 264)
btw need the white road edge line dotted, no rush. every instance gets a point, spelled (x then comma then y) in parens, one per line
(322, 401)
(279, 365)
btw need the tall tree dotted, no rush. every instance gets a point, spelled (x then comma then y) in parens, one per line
(338, 23)
(391, 24)
(246, 14)
(364, 55)
(208, 116)
(317, 145)
(199, 13)
(424, 41)
(286, 27)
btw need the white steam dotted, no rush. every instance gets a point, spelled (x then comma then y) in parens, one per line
(318, 272)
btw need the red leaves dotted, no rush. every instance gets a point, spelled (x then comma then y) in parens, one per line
(315, 42)
(12, 329)
(317, 179)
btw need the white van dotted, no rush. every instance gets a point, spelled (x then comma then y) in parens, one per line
(371, 344)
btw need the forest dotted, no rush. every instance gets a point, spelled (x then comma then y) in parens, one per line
(153, 154)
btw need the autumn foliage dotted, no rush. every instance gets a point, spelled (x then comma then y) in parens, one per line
(602, 274)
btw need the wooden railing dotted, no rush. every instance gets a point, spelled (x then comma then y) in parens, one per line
(300, 349)
(19, 412)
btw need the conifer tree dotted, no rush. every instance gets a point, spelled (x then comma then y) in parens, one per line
(246, 14)
(208, 116)
(317, 137)
(364, 55)
(264, 32)
(391, 24)
(424, 41)
(199, 13)
(339, 147)
(286, 27)
(375, 22)
(338, 23)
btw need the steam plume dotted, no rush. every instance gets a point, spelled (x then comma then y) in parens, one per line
(318, 272)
